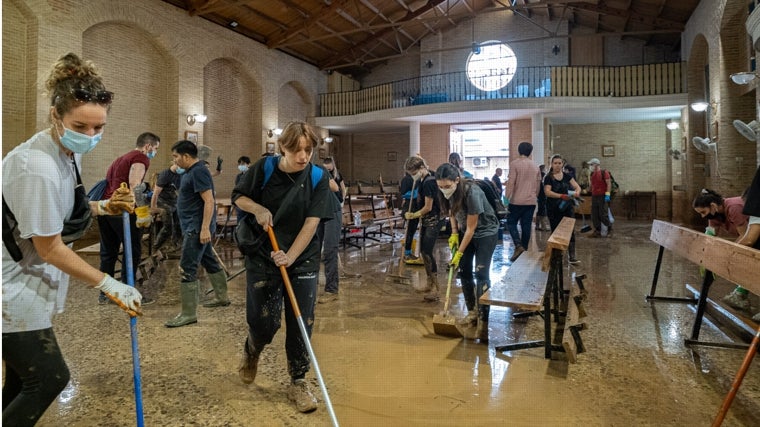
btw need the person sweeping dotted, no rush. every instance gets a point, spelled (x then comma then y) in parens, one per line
(291, 195)
(37, 234)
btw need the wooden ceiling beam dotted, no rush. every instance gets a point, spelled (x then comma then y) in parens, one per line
(369, 39)
(277, 40)
(659, 23)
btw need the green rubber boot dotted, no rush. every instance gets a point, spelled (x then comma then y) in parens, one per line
(189, 294)
(219, 283)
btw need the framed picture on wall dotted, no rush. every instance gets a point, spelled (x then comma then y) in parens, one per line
(608, 150)
(270, 147)
(392, 156)
(191, 136)
(322, 153)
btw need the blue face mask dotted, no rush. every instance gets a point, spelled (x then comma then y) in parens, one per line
(151, 154)
(78, 142)
(180, 171)
(242, 168)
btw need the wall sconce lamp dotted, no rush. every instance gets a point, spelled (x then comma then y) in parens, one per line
(700, 106)
(744, 78)
(193, 118)
(328, 140)
(274, 132)
(672, 124)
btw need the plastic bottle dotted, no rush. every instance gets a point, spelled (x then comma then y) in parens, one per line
(357, 219)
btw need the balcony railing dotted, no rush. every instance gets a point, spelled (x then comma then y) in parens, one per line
(528, 82)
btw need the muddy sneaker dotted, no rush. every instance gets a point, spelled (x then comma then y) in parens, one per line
(300, 393)
(737, 300)
(470, 320)
(574, 260)
(432, 296)
(249, 364)
(518, 251)
(328, 297)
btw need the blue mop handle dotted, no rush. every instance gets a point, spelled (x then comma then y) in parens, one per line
(127, 243)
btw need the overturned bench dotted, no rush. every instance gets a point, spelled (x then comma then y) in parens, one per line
(736, 263)
(532, 282)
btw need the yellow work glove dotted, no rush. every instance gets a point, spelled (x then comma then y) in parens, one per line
(455, 259)
(121, 200)
(144, 218)
(454, 242)
(412, 215)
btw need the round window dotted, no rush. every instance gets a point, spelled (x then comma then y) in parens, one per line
(491, 65)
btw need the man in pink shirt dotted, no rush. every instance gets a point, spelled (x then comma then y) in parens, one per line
(523, 184)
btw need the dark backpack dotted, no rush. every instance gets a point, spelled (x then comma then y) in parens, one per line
(613, 184)
(493, 198)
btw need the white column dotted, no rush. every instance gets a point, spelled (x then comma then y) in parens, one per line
(537, 140)
(414, 138)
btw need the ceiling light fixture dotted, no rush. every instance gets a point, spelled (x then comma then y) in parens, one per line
(329, 140)
(274, 132)
(193, 118)
(672, 125)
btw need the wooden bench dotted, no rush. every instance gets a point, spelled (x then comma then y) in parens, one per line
(226, 218)
(731, 261)
(377, 217)
(530, 285)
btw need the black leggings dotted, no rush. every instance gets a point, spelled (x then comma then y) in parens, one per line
(35, 373)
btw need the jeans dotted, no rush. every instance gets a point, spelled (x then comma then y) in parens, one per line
(111, 236)
(599, 213)
(480, 250)
(193, 253)
(265, 295)
(524, 215)
(329, 238)
(428, 236)
(35, 374)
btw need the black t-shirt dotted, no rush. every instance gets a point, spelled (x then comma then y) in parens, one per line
(560, 187)
(169, 182)
(190, 204)
(429, 189)
(338, 179)
(308, 202)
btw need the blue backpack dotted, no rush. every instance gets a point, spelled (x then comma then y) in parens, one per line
(271, 163)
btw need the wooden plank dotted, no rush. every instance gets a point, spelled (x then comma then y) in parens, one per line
(523, 286)
(737, 263)
(559, 239)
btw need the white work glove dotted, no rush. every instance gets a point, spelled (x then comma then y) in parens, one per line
(125, 296)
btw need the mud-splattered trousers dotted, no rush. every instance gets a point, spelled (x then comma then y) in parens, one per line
(480, 250)
(265, 296)
(35, 373)
(193, 253)
(431, 226)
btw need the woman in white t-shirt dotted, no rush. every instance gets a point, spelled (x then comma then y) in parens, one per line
(39, 180)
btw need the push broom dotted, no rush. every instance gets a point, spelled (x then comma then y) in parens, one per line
(132, 318)
(302, 327)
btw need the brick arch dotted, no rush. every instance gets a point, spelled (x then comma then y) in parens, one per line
(232, 100)
(294, 103)
(143, 78)
(19, 85)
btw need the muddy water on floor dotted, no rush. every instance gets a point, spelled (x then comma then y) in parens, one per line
(383, 365)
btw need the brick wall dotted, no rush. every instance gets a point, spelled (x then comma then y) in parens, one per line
(163, 65)
(640, 163)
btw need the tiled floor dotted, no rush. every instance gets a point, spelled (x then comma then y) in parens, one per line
(384, 366)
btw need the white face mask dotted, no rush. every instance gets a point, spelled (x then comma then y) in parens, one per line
(592, 168)
(418, 175)
(447, 192)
